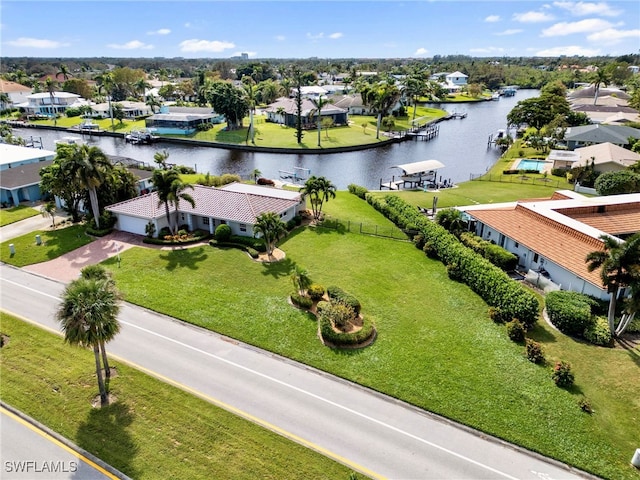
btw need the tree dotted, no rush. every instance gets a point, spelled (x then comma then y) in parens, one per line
(270, 227)
(319, 103)
(107, 83)
(51, 88)
(300, 278)
(327, 123)
(319, 190)
(49, 210)
(414, 88)
(388, 123)
(452, 220)
(171, 189)
(619, 264)
(64, 71)
(381, 97)
(601, 77)
(118, 113)
(161, 159)
(297, 78)
(89, 165)
(141, 85)
(250, 90)
(534, 112)
(255, 174)
(88, 315)
(59, 180)
(615, 183)
(229, 101)
(118, 185)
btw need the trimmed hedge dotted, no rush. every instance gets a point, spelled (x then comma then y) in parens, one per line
(198, 236)
(598, 333)
(358, 190)
(98, 233)
(336, 293)
(251, 251)
(339, 338)
(497, 255)
(301, 301)
(515, 172)
(487, 280)
(570, 312)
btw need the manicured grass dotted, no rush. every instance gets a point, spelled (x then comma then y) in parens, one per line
(104, 123)
(436, 347)
(54, 243)
(153, 430)
(15, 214)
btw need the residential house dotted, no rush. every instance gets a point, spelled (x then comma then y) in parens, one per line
(456, 78)
(565, 159)
(22, 183)
(352, 103)
(552, 237)
(131, 110)
(585, 135)
(606, 157)
(181, 120)
(237, 205)
(16, 92)
(285, 111)
(48, 104)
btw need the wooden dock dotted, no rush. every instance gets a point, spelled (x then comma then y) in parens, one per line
(425, 132)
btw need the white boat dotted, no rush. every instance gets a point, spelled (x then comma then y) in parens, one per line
(69, 141)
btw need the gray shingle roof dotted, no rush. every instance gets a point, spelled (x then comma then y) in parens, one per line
(22, 175)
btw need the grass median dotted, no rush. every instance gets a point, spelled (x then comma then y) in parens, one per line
(153, 430)
(15, 214)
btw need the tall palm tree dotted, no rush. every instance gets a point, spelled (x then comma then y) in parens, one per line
(90, 165)
(319, 103)
(270, 227)
(5, 100)
(319, 190)
(619, 264)
(64, 71)
(381, 97)
(601, 77)
(88, 315)
(140, 86)
(51, 85)
(250, 92)
(171, 189)
(106, 82)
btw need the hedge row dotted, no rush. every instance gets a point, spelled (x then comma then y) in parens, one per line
(251, 251)
(336, 293)
(516, 172)
(573, 313)
(198, 236)
(487, 280)
(341, 338)
(358, 190)
(497, 255)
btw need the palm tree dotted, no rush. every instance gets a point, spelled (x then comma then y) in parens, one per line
(88, 316)
(106, 82)
(153, 102)
(381, 98)
(49, 210)
(64, 71)
(90, 165)
(5, 100)
(256, 174)
(161, 158)
(250, 91)
(270, 227)
(319, 103)
(51, 84)
(619, 264)
(319, 190)
(170, 189)
(601, 77)
(300, 278)
(141, 85)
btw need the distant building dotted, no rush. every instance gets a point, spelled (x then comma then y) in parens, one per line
(20, 178)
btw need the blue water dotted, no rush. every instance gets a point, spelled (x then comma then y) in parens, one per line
(529, 164)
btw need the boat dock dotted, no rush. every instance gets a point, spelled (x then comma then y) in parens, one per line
(425, 132)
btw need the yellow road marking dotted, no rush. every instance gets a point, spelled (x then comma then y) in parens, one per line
(230, 408)
(57, 442)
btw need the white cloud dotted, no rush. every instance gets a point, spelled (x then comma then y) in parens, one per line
(195, 45)
(511, 31)
(336, 35)
(160, 31)
(611, 36)
(280, 38)
(492, 18)
(532, 17)
(569, 51)
(132, 45)
(27, 42)
(582, 9)
(569, 28)
(488, 50)
(421, 51)
(318, 36)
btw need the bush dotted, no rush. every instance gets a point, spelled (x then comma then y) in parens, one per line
(515, 330)
(454, 271)
(533, 350)
(336, 293)
(597, 332)
(150, 229)
(498, 316)
(182, 233)
(223, 233)
(227, 178)
(340, 338)
(562, 374)
(585, 405)
(430, 251)
(357, 190)
(516, 172)
(559, 172)
(614, 183)
(418, 241)
(497, 255)
(315, 292)
(570, 312)
(266, 181)
(253, 252)
(252, 242)
(164, 232)
(196, 236)
(301, 301)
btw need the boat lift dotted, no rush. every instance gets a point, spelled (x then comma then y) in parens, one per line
(298, 174)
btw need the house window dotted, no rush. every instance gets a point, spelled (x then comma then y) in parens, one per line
(223, 222)
(182, 216)
(205, 221)
(516, 244)
(243, 227)
(535, 258)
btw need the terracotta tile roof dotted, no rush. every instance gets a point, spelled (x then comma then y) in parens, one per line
(615, 220)
(210, 202)
(559, 243)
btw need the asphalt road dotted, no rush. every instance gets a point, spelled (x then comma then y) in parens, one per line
(371, 433)
(30, 453)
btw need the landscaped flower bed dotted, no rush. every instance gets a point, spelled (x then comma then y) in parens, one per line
(181, 238)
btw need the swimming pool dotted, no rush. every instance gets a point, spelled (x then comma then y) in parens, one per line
(530, 164)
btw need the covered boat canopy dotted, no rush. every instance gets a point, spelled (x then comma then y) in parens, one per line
(419, 167)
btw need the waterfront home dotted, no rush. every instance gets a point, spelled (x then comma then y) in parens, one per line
(16, 92)
(456, 78)
(552, 237)
(48, 104)
(606, 157)
(21, 184)
(585, 135)
(131, 110)
(181, 121)
(284, 111)
(237, 205)
(352, 103)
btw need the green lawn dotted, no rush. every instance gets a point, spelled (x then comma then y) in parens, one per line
(15, 214)
(104, 123)
(153, 430)
(54, 243)
(436, 347)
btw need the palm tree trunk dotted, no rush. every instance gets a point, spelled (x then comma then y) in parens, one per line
(103, 391)
(95, 208)
(611, 314)
(627, 318)
(111, 113)
(166, 206)
(105, 361)
(378, 125)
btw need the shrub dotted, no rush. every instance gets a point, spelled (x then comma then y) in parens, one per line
(227, 178)
(585, 405)
(570, 312)
(430, 251)
(336, 293)
(253, 252)
(498, 316)
(301, 301)
(223, 233)
(418, 241)
(597, 332)
(339, 314)
(315, 292)
(182, 233)
(515, 330)
(497, 255)
(291, 224)
(265, 181)
(252, 242)
(562, 374)
(559, 172)
(357, 190)
(454, 271)
(164, 232)
(150, 229)
(533, 350)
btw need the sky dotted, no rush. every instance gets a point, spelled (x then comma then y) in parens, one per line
(325, 29)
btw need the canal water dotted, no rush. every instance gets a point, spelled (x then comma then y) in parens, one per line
(461, 146)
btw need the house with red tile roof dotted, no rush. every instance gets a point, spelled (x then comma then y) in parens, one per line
(237, 205)
(553, 236)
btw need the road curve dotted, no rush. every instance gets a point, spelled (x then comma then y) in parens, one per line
(371, 433)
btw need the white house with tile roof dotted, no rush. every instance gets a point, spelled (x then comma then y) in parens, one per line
(236, 205)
